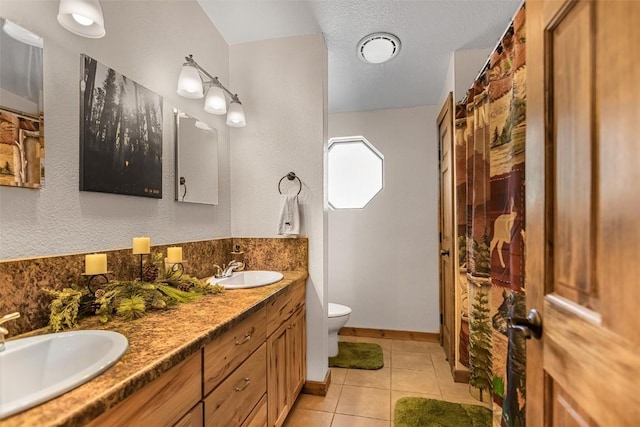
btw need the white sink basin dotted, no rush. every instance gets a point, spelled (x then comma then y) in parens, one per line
(247, 279)
(36, 369)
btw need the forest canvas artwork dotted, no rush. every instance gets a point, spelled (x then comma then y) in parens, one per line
(120, 134)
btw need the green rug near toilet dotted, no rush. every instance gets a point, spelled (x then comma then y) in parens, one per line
(421, 412)
(357, 355)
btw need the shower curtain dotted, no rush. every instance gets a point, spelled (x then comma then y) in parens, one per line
(490, 138)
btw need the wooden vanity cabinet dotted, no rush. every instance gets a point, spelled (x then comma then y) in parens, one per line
(286, 353)
(249, 376)
(233, 347)
(163, 402)
(231, 403)
(234, 373)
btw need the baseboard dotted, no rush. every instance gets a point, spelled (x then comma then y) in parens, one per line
(318, 388)
(460, 376)
(390, 334)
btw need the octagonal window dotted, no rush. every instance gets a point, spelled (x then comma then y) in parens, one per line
(354, 172)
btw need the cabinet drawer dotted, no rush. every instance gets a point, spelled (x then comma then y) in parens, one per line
(234, 399)
(281, 308)
(258, 417)
(193, 418)
(162, 402)
(224, 354)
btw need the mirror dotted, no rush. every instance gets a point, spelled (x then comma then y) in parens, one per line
(21, 107)
(196, 160)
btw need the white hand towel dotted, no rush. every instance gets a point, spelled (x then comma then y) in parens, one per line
(289, 222)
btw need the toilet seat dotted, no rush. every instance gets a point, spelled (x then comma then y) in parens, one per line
(338, 310)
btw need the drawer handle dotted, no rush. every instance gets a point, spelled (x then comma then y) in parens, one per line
(247, 381)
(247, 337)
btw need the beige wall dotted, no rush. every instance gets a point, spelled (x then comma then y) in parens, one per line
(283, 86)
(383, 258)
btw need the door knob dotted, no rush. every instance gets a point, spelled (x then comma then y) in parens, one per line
(444, 252)
(531, 325)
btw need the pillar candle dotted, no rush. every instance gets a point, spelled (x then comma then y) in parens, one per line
(95, 264)
(174, 254)
(141, 245)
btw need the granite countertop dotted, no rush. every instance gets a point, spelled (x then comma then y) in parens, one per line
(157, 342)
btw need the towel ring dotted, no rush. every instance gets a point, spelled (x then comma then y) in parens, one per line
(290, 176)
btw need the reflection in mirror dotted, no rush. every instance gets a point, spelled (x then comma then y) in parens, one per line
(21, 112)
(196, 160)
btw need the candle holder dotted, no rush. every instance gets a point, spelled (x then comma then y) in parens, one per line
(141, 255)
(177, 269)
(93, 277)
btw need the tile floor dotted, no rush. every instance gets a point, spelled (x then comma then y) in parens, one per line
(361, 398)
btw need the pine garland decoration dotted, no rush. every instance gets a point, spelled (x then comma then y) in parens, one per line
(64, 308)
(130, 299)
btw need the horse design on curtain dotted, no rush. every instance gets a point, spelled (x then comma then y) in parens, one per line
(490, 138)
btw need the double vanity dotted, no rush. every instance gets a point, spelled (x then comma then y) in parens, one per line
(231, 359)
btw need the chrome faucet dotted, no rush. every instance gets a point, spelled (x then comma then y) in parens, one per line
(227, 270)
(4, 331)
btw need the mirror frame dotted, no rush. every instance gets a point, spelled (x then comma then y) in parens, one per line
(26, 152)
(202, 162)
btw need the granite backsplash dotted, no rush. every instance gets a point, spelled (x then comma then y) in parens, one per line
(22, 281)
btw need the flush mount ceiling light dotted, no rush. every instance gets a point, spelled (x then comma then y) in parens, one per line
(82, 17)
(191, 84)
(377, 48)
(22, 34)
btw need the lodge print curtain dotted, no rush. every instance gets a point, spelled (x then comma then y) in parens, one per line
(490, 132)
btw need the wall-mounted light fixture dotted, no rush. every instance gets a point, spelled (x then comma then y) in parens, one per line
(82, 17)
(22, 34)
(191, 84)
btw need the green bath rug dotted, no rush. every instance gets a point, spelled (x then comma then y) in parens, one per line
(421, 412)
(357, 355)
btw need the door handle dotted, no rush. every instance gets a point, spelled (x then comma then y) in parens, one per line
(531, 325)
(444, 252)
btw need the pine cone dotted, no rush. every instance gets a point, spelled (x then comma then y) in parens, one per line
(150, 273)
(185, 286)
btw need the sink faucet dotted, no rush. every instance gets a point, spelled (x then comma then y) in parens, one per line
(4, 331)
(227, 271)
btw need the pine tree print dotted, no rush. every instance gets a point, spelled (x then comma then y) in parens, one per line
(480, 375)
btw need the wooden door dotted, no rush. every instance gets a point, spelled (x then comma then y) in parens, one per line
(447, 235)
(583, 204)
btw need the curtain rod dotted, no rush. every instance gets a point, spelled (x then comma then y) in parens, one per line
(486, 62)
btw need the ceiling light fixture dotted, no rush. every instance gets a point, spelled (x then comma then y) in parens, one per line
(191, 83)
(82, 17)
(378, 48)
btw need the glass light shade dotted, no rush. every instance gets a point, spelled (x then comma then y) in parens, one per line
(378, 48)
(22, 34)
(189, 82)
(235, 116)
(378, 51)
(82, 17)
(203, 126)
(215, 103)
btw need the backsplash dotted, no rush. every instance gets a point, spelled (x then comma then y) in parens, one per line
(22, 281)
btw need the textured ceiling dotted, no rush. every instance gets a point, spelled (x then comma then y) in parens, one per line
(430, 30)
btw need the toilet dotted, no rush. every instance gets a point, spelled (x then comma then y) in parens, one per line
(338, 316)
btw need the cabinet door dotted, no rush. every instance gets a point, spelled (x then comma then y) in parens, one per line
(277, 377)
(296, 354)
